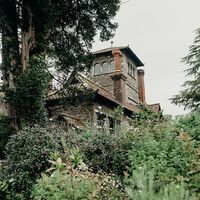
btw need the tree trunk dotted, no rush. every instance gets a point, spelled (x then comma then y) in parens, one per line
(28, 35)
(10, 53)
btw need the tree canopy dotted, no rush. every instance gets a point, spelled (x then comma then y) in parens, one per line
(62, 31)
(190, 96)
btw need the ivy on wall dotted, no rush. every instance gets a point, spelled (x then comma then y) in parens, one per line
(29, 94)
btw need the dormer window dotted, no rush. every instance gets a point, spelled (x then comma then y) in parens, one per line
(97, 69)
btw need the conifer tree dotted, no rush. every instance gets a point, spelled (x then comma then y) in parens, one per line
(62, 30)
(190, 96)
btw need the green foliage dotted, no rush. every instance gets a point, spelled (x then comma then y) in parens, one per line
(76, 26)
(62, 183)
(140, 186)
(69, 181)
(29, 95)
(190, 96)
(27, 156)
(103, 151)
(62, 29)
(191, 125)
(118, 112)
(5, 132)
(164, 151)
(146, 117)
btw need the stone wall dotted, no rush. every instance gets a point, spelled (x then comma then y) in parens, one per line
(103, 79)
(83, 111)
(108, 110)
(131, 82)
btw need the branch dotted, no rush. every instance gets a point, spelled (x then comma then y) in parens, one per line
(123, 2)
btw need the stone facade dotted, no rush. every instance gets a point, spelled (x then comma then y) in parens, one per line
(114, 80)
(128, 67)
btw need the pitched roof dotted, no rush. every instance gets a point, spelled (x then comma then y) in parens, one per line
(155, 107)
(74, 121)
(126, 49)
(85, 83)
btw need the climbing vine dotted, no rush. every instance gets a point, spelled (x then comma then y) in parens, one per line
(29, 94)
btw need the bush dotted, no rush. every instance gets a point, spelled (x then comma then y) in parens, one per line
(72, 180)
(62, 184)
(5, 132)
(27, 156)
(191, 125)
(103, 151)
(140, 187)
(163, 150)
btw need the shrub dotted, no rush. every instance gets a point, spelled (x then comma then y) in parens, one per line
(191, 125)
(72, 180)
(140, 187)
(162, 149)
(62, 184)
(5, 132)
(27, 156)
(103, 151)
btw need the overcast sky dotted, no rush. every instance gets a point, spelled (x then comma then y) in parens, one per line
(159, 32)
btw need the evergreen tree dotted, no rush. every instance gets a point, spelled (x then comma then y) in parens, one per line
(190, 96)
(62, 30)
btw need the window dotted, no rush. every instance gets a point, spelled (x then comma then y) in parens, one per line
(113, 124)
(131, 70)
(101, 118)
(97, 69)
(112, 66)
(105, 68)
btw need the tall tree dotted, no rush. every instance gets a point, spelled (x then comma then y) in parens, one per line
(62, 30)
(190, 96)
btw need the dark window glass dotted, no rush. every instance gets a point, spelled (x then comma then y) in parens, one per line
(101, 118)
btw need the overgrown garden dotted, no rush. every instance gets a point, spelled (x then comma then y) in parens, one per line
(157, 161)
(157, 158)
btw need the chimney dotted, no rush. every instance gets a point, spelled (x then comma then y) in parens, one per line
(141, 87)
(118, 77)
(118, 59)
(119, 86)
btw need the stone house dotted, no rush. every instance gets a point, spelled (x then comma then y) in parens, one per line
(115, 80)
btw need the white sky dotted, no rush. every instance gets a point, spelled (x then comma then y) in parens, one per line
(159, 32)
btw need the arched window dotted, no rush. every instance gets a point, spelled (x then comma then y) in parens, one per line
(105, 68)
(112, 66)
(97, 69)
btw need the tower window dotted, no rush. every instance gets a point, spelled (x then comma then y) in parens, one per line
(97, 69)
(112, 66)
(105, 68)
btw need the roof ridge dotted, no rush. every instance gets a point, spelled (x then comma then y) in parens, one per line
(109, 49)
